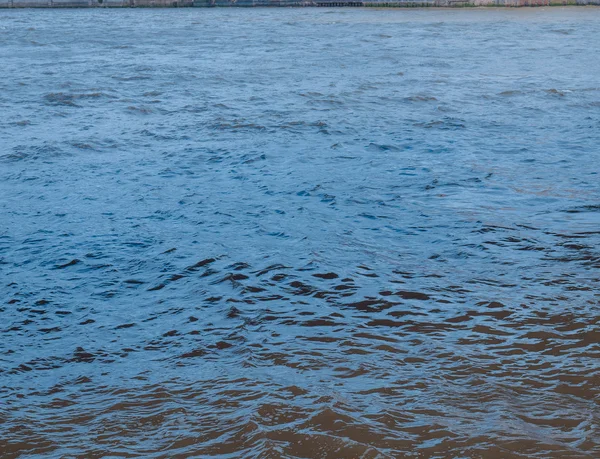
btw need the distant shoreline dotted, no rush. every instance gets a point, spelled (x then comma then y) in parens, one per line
(7, 4)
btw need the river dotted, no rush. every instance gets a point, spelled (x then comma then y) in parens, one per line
(300, 233)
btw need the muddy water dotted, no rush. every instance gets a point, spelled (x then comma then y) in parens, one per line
(300, 233)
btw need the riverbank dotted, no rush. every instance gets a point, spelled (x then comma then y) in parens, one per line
(285, 3)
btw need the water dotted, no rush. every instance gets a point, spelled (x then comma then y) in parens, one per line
(300, 233)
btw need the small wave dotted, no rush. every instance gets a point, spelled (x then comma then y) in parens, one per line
(140, 109)
(69, 99)
(447, 123)
(420, 98)
(131, 78)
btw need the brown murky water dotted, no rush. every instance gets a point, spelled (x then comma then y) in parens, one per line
(300, 233)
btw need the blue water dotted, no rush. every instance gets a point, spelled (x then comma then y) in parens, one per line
(300, 233)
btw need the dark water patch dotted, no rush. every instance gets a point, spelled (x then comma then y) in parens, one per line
(71, 99)
(421, 98)
(131, 78)
(46, 152)
(141, 110)
(22, 123)
(447, 123)
(66, 265)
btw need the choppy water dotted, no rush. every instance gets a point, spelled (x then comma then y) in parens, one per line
(300, 233)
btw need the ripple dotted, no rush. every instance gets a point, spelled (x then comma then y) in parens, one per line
(224, 240)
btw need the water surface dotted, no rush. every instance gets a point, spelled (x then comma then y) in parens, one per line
(300, 233)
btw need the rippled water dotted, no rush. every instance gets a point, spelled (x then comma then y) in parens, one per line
(300, 233)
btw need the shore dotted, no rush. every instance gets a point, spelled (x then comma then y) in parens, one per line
(286, 3)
